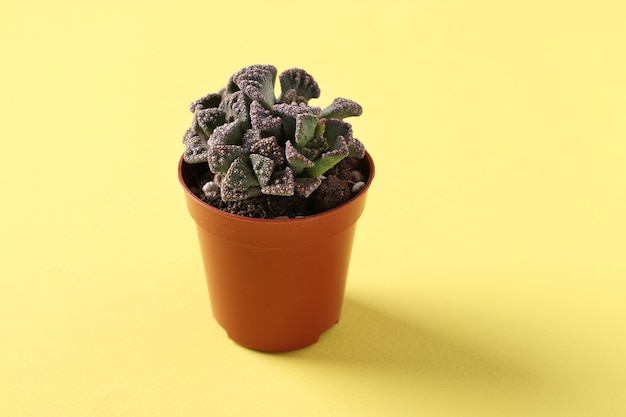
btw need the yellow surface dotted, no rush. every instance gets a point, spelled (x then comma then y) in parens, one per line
(488, 273)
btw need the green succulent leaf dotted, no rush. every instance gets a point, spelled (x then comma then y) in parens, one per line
(189, 133)
(341, 108)
(291, 96)
(305, 186)
(240, 175)
(236, 106)
(196, 149)
(206, 102)
(356, 148)
(263, 168)
(228, 134)
(289, 112)
(281, 183)
(270, 148)
(320, 128)
(296, 160)
(263, 120)
(250, 137)
(221, 156)
(257, 82)
(319, 143)
(301, 81)
(329, 159)
(230, 194)
(311, 153)
(336, 128)
(231, 86)
(306, 124)
(210, 118)
(197, 129)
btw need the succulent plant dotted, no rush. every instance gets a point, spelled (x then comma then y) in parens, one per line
(255, 143)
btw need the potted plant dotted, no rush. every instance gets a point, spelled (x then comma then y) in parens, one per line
(275, 187)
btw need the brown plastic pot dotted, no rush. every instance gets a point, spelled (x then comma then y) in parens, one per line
(276, 285)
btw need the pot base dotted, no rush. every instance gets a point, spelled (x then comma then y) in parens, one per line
(276, 347)
(279, 337)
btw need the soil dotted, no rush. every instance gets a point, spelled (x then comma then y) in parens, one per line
(335, 190)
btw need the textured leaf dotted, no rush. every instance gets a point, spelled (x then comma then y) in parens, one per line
(320, 128)
(206, 102)
(329, 159)
(230, 194)
(296, 160)
(289, 112)
(189, 133)
(209, 119)
(197, 129)
(269, 147)
(341, 108)
(263, 168)
(356, 148)
(257, 82)
(239, 176)
(280, 184)
(311, 153)
(306, 186)
(236, 106)
(196, 150)
(250, 137)
(301, 81)
(335, 128)
(306, 124)
(228, 134)
(263, 120)
(318, 143)
(221, 156)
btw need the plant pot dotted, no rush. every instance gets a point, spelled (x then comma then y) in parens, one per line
(276, 284)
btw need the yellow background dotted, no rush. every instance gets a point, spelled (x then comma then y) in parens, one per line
(487, 277)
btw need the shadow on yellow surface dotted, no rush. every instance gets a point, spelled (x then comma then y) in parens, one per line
(368, 337)
(379, 348)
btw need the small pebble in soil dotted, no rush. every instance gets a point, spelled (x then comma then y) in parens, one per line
(210, 189)
(358, 176)
(358, 187)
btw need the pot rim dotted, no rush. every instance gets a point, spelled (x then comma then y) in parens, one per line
(312, 217)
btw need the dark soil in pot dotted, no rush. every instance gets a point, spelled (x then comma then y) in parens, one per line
(335, 190)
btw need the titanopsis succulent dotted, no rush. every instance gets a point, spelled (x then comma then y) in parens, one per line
(256, 144)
